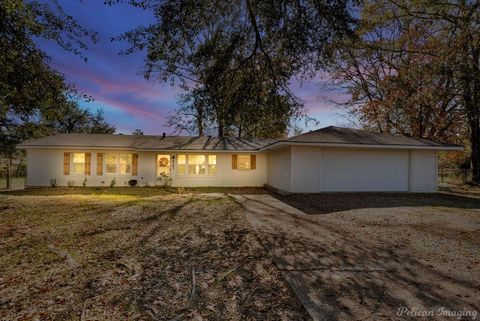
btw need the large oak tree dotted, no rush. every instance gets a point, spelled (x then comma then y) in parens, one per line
(414, 68)
(36, 100)
(235, 58)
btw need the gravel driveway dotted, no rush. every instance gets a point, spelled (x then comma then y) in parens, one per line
(363, 257)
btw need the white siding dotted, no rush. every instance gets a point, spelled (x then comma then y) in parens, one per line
(279, 169)
(306, 174)
(226, 176)
(423, 171)
(364, 170)
(46, 164)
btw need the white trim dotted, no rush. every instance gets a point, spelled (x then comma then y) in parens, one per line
(187, 174)
(253, 151)
(360, 146)
(200, 151)
(117, 167)
(156, 150)
(72, 172)
(249, 163)
(169, 164)
(66, 147)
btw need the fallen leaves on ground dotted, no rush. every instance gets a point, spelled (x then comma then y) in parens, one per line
(124, 257)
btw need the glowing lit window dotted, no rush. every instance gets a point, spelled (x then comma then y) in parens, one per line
(125, 163)
(110, 164)
(212, 164)
(78, 163)
(118, 164)
(196, 165)
(181, 163)
(244, 162)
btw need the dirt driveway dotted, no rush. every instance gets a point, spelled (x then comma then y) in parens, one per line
(364, 256)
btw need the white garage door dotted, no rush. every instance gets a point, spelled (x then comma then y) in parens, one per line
(357, 170)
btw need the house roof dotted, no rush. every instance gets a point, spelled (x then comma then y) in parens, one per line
(147, 142)
(328, 136)
(338, 136)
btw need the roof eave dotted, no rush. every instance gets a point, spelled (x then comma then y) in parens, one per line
(372, 146)
(138, 149)
(198, 150)
(74, 147)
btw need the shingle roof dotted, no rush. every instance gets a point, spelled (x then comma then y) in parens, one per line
(328, 135)
(340, 135)
(147, 142)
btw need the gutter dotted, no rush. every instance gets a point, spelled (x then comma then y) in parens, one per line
(257, 150)
(140, 149)
(369, 146)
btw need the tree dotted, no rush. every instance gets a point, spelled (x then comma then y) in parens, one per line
(235, 58)
(70, 118)
(31, 93)
(137, 132)
(413, 69)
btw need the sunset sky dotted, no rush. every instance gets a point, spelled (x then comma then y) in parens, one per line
(116, 83)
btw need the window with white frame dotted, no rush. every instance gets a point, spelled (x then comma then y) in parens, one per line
(120, 164)
(196, 164)
(181, 164)
(244, 162)
(212, 164)
(78, 163)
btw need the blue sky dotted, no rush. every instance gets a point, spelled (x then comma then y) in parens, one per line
(117, 86)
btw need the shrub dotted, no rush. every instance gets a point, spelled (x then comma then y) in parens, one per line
(164, 180)
(71, 183)
(53, 182)
(132, 182)
(113, 182)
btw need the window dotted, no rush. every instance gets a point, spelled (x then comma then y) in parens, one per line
(125, 163)
(212, 164)
(118, 164)
(244, 162)
(110, 164)
(182, 162)
(78, 163)
(197, 164)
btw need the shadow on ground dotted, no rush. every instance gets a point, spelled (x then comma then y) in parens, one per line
(324, 203)
(343, 271)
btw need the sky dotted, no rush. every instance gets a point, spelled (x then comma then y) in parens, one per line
(116, 84)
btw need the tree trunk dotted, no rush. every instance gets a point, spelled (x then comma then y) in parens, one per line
(475, 146)
(220, 129)
(9, 166)
(17, 175)
(200, 116)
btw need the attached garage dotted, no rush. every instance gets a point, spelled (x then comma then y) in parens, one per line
(335, 159)
(364, 170)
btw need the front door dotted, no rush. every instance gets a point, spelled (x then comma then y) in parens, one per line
(163, 165)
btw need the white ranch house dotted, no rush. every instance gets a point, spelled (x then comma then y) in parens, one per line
(330, 159)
